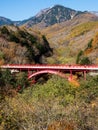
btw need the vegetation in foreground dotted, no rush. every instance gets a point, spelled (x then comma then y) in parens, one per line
(54, 105)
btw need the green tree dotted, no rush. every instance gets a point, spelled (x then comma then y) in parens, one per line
(85, 61)
(6, 84)
(90, 44)
(4, 30)
(79, 57)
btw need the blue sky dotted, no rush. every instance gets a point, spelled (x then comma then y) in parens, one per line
(23, 9)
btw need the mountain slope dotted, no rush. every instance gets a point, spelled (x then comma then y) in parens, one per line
(19, 46)
(68, 38)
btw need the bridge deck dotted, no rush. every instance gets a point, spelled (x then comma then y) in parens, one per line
(52, 67)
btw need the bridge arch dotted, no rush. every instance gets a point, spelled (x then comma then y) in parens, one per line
(47, 71)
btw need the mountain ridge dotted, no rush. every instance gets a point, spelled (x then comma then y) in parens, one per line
(48, 16)
(4, 21)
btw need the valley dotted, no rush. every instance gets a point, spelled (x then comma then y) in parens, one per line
(55, 37)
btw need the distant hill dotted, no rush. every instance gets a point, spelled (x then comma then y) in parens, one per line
(5, 21)
(95, 12)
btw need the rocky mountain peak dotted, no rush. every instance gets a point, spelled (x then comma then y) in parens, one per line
(53, 15)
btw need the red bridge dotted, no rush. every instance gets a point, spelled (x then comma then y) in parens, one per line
(61, 70)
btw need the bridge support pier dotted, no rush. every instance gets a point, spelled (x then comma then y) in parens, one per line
(70, 74)
(84, 75)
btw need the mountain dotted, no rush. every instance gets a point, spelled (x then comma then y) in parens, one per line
(5, 21)
(45, 17)
(51, 16)
(95, 12)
